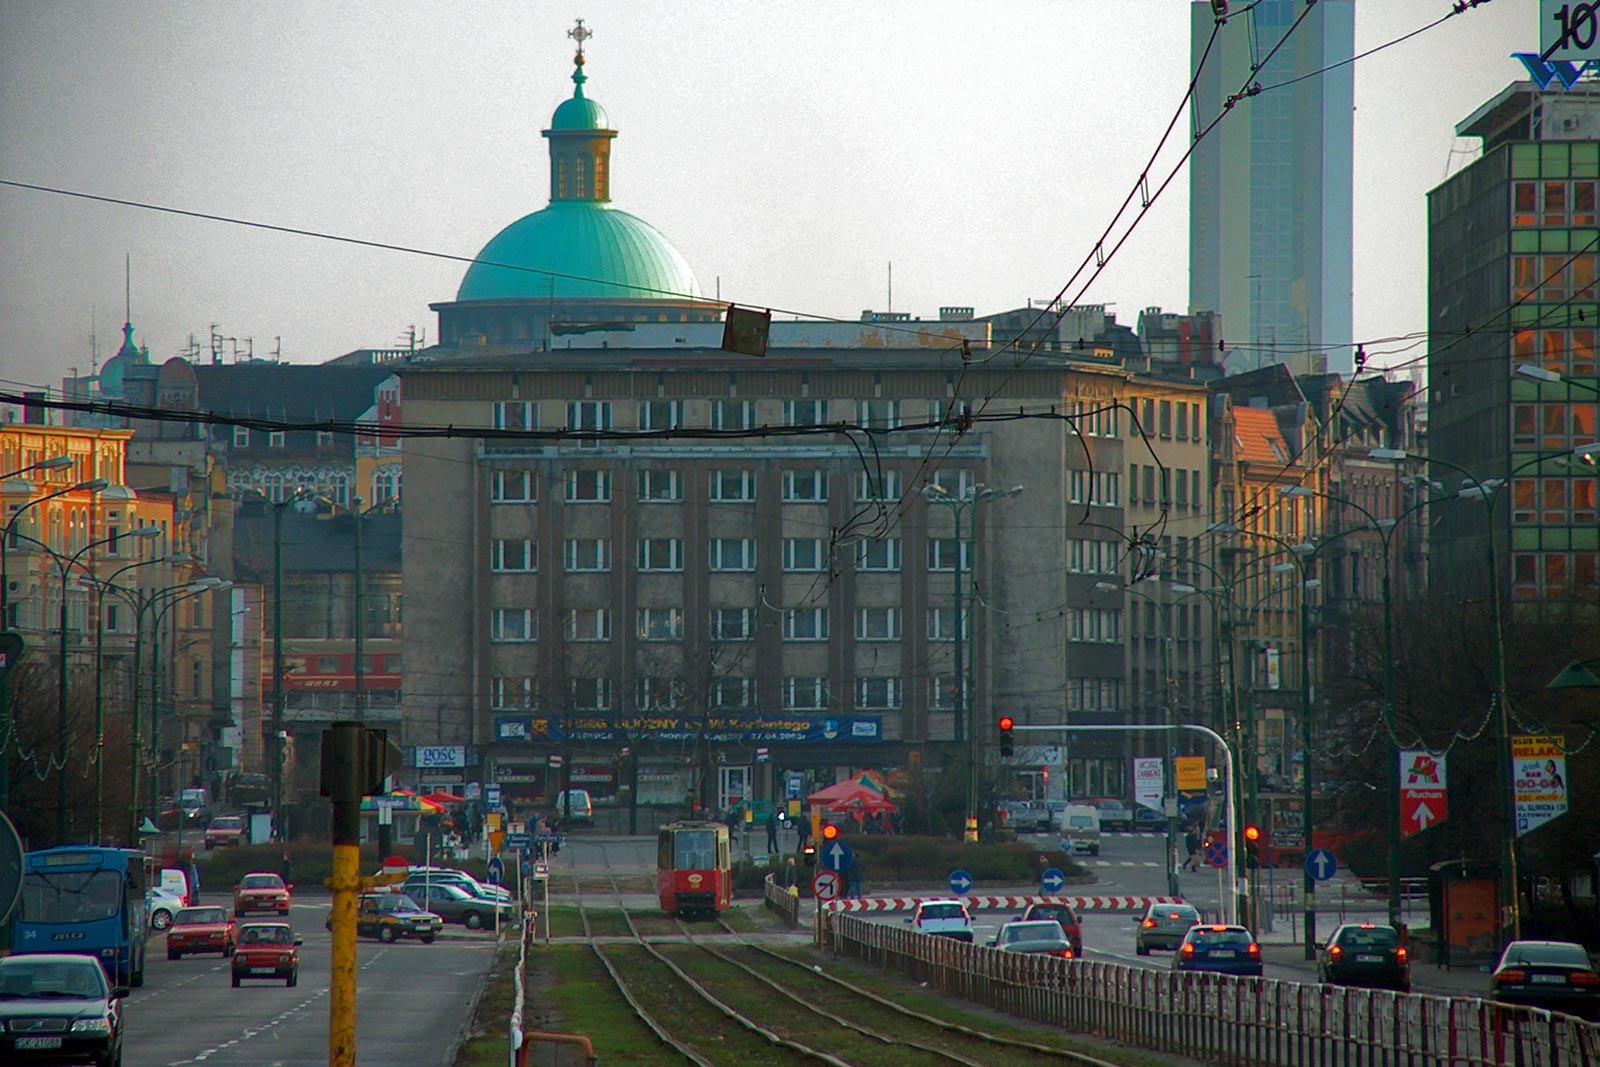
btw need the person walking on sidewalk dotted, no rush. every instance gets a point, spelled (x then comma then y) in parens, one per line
(1191, 842)
(772, 832)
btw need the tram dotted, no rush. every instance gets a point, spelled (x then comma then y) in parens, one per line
(694, 868)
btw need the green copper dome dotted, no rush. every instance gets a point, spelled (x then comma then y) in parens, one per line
(594, 251)
(580, 113)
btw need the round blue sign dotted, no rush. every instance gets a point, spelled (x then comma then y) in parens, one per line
(1052, 881)
(960, 883)
(1321, 864)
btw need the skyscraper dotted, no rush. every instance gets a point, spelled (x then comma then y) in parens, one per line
(1270, 187)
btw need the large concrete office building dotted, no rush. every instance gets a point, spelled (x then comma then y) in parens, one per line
(1270, 188)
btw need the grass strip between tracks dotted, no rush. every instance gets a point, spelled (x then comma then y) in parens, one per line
(488, 1041)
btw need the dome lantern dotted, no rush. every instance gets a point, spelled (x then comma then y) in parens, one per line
(580, 136)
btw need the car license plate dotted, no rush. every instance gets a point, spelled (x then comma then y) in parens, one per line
(263, 970)
(1369, 959)
(38, 1042)
(1549, 979)
(1222, 954)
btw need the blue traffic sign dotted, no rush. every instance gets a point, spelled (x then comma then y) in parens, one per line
(1052, 881)
(837, 857)
(960, 882)
(1217, 853)
(497, 870)
(491, 796)
(1321, 864)
(517, 841)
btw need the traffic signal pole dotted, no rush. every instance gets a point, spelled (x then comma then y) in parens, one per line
(341, 782)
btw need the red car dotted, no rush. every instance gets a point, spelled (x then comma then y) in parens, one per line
(267, 950)
(201, 930)
(225, 832)
(261, 891)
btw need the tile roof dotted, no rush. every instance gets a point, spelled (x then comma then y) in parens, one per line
(1258, 440)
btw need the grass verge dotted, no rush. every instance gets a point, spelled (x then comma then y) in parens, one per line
(487, 1039)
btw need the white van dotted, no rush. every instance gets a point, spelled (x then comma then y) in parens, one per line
(582, 807)
(1080, 829)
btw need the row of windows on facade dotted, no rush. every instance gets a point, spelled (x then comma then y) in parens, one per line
(729, 693)
(1554, 501)
(1567, 352)
(277, 487)
(1553, 575)
(70, 530)
(1166, 419)
(1555, 427)
(521, 625)
(725, 486)
(1162, 487)
(665, 555)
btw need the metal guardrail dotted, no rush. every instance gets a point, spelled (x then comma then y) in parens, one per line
(784, 901)
(1242, 1021)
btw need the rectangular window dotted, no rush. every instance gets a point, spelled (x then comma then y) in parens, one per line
(1133, 483)
(732, 624)
(516, 415)
(805, 694)
(805, 554)
(1196, 431)
(511, 693)
(733, 415)
(588, 624)
(1149, 484)
(589, 416)
(1553, 501)
(509, 556)
(877, 624)
(513, 486)
(805, 486)
(275, 439)
(807, 624)
(942, 554)
(878, 554)
(942, 624)
(805, 412)
(1183, 422)
(112, 618)
(1524, 204)
(955, 483)
(660, 487)
(513, 624)
(1078, 486)
(882, 486)
(733, 486)
(877, 693)
(658, 694)
(1555, 203)
(1583, 203)
(1165, 422)
(660, 554)
(588, 487)
(241, 437)
(1182, 485)
(942, 691)
(878, 414)
(733, 693)
(591, 694)
(1524, 424)
(661, 415)
(1195, 499)
(660, 624)
(733, 554)
(588, 555)
(950, 416)
(1110, 489)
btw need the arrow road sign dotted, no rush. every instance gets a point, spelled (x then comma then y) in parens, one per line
(837, 857)
(497, 870)
(1321, 865)
(1418, 812)
(1424, 799)
(1052, 881)
(518, 840)
(1217, 853)
(960, 882)
(825, 885)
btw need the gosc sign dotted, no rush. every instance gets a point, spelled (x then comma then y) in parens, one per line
(441, 756)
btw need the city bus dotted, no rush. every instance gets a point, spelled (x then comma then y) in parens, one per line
(86, 900)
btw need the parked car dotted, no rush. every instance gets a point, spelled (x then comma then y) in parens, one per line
(1064, 917)
(1026, 816)
(455, 905)
(72, 1015)
(225, 831)
(421, 876)
(574, 807)
(942, 918)
(1557, 975)
(1364, 954)
(261, 891)
(1219, 948)
(391, 916)
(267, 950)
(1080, 829)
(181, 884)
(1114, 816)
(161, 904)
(207, 929)
(1149, 820)
(1163, 926)
(1043, 938)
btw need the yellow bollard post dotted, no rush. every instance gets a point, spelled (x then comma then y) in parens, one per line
(346, 886)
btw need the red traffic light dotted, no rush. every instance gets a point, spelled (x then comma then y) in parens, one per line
(829, 832)
(1005, 722)
(1252, 833)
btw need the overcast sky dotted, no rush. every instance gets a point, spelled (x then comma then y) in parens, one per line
(791, 151)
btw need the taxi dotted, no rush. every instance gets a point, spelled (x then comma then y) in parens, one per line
(261, 891)
(267, 950)
(205, 929)
(391, 916)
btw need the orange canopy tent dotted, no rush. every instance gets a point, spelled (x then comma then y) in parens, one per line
(850, 796)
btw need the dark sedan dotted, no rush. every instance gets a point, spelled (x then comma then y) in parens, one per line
(1163, 926)
(1557, 975)
(58, 1009)
(1219, 949)
(455, 905)
(1365, 954)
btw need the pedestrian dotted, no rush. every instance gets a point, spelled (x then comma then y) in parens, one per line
(803, 828)
(790, 876)
(772, 831)
(1191, 842)
(855, 877)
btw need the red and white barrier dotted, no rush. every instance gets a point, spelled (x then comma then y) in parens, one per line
(1000, 903)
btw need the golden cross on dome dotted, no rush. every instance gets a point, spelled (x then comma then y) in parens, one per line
(580, 33)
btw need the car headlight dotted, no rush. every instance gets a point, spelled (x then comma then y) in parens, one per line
(98, 1025)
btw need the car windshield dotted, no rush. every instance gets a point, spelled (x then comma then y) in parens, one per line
(1015, 932)
(1059, 913)
(402, 903)
(264, 935)
(21, 976)
(696, 849)
(227, 824)
(1082, 822)
(943, 911)
(1369, 936)
(1545, 952)
(200, 915)
(1172, 915)
(71, 896)
(262, 881)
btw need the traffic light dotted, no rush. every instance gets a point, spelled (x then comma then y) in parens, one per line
(1219, 8)
(830, 832)
(1005, 737)
(1252, 846)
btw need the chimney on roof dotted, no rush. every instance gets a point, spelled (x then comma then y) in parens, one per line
(33, 412)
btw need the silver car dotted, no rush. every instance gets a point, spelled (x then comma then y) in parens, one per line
(1164, 926)
(1042, 936)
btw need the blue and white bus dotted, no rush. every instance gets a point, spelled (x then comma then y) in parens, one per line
(86, 900)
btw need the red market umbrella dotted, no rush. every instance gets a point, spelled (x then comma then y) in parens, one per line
(442, 797)
(850, 796)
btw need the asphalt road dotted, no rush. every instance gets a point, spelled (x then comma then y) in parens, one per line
(412, 1002)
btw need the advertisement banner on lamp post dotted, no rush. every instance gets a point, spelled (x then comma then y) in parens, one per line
(1190, 772)
(1538, 779)
(1149, 781)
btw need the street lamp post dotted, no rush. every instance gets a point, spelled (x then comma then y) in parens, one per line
(186, 592)
(935, 493)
